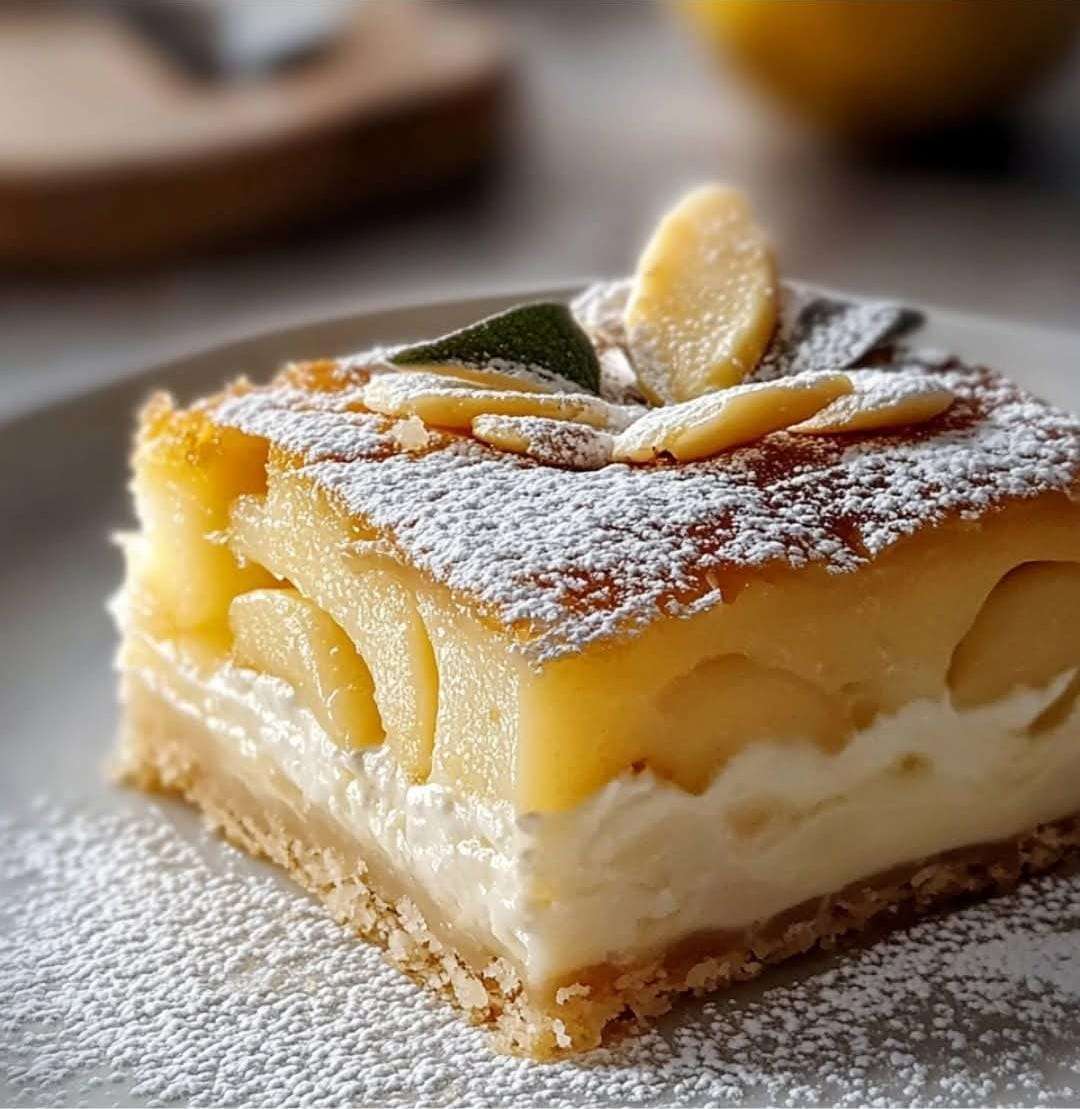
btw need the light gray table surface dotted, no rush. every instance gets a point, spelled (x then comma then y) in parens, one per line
(616, 110)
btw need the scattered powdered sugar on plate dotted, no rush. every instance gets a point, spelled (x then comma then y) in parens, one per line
(137, 963)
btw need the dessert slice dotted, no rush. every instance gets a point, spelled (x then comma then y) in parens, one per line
(568, 735)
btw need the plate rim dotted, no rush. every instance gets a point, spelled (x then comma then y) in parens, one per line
(132, 374)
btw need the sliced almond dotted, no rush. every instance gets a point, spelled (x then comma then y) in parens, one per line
(452, 403)
(881, 399)
(571, 446)
(703, 303)
(516, 378)
(706, 425)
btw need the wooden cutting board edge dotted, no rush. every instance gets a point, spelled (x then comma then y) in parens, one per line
(142, 211)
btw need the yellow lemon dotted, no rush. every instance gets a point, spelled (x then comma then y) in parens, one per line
(889, 67)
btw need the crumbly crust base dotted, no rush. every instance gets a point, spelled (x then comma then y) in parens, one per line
(158, 753)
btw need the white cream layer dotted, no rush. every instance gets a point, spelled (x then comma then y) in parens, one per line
(642, 864)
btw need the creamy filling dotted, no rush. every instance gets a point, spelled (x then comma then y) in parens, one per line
(642, 864)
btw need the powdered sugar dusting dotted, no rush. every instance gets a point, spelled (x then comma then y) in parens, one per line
(580, 556)
(318, 426)
(139, 964)
(599, 309)
(618, 382)
(825, 333)
(531, 374)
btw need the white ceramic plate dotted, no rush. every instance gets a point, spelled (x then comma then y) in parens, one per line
(63, 490)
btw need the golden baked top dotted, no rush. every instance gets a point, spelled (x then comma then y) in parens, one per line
(573, 554)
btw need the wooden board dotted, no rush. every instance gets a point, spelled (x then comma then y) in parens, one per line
(110, 153)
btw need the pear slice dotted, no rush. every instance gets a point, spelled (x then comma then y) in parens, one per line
(510, 377)
(882, 400)
(707, 425)
(703, 304)
(1023, 637)
(279, 632)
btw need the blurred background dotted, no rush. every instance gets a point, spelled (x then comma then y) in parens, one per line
(174, 173)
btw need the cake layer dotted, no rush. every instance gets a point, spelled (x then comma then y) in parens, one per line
(642, 865)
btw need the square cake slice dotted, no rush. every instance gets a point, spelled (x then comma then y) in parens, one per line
(570, 736)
